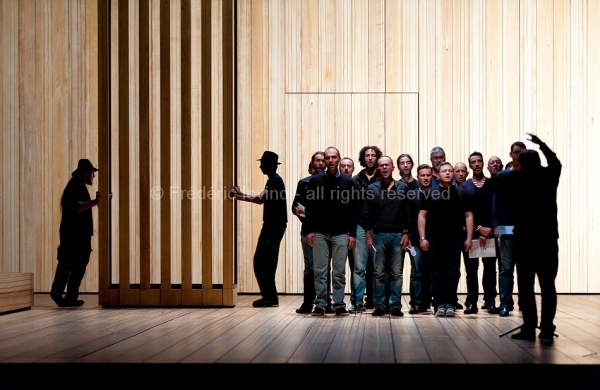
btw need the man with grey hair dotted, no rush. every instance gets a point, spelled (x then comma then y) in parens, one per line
(437, 155)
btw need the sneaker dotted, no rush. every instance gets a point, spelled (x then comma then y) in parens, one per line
(450, 310)
(329, 310)
(341, 311)
(304, 309)
(413, 310)
(378, 312)
(396, 312)
(356, 309)
(318, 311)
(441, 311)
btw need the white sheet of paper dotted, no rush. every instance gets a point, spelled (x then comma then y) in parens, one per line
(505, 229)
(489, 250)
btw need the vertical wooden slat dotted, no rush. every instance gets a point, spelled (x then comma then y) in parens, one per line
(107, 296)
(126, 296)
(145, 156)
(206, 169)
(229, 100)
(187, 169)
(167, 297)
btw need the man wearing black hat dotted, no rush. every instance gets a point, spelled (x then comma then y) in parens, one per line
(76, 231)
(266, 255)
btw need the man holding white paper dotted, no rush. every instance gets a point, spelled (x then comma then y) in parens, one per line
(481, 205)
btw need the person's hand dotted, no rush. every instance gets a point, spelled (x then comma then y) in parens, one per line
(534, 138)
(485, 232)
(235, 190)
(351, 243)
(310, 239)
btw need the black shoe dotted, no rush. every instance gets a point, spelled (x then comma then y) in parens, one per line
(341, 311)
(458, 306)
(396, 312)
(258, 303)
(378, 312)
(471, 309)
(318, 311)
(413, 310)
(329, 310)
(369, 305)
(73, 303)
(58, 299)
(524, 335)
(423, 309)
(485, 306)
(492, 309)
(546, 338)
(304, 309)
(264, 303)
(504, 312)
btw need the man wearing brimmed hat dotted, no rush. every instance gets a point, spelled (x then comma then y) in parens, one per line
(76, 231)
(266, 255)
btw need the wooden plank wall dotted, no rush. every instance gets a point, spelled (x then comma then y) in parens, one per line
(405, 75)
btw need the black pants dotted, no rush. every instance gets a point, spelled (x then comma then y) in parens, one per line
(537, 257)
(488, 281)
(266, 258)
(73, 258)
(445, 269)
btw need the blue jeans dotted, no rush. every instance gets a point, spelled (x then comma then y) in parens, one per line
(330, 249)
(506, 280)
(361, 257)
(420, 279)
(389, 266)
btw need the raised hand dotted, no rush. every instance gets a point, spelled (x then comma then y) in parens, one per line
(534, 138)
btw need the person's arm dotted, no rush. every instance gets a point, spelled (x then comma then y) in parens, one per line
(469, 225)
(81, 206)
(236, 194)
(423, 243)
(298, 199)
(551, 158)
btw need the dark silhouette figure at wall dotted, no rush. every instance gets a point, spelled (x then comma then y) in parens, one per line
(266, 255)
(76, 231)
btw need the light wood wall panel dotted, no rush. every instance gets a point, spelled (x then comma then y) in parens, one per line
(467, 75)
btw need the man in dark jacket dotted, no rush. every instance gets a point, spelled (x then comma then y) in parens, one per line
(331, 229)
(533, 190)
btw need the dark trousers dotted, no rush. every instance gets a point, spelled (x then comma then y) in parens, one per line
(537, 257)
(351, 265)
(488, 279)
(266, 258)
(369, 279)
(73, 258)
(420, 279)
(445, 269)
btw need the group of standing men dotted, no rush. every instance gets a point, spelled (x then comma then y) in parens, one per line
(372, 220)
